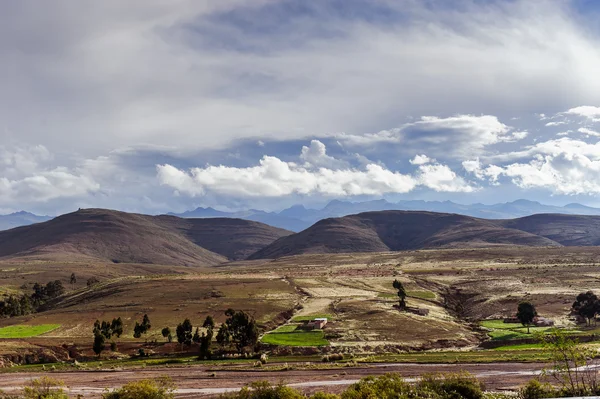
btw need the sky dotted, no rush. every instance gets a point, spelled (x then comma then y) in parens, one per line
(166, 105)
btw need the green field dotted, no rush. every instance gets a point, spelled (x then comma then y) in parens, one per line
(288, 335)
(299, 319)
(26, 331)
(506, 331)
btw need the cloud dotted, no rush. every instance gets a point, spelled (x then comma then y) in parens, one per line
(588, 131)
(563, 166)
(586, 111)
(26, 176)
(204, 74)
(421, 159)
(273, 177)
(555, 123)
(315, 155)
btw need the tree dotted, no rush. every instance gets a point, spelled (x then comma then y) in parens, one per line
(209, 322)
(166, 332)
(401, 293)
(242, 329)
(223, 336)
(143, 328)
(98, 346)
(587, 305)
(196, 337)
(526, 313)
(184, 332)
(73, 280)
(146, 323)
(117, 327)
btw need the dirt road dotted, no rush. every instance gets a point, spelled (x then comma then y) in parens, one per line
(202, 381)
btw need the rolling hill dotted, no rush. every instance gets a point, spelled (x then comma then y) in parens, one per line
(132, 238)
(409, 230)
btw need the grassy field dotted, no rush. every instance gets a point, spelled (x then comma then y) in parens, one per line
(299, 319)
(289, 335)
(26, 331)
(506, 331)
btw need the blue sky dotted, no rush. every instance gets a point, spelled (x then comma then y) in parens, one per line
(161, 105)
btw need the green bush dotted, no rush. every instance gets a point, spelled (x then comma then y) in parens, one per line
(534, 389)
(45, 388)
(452, 386)
(160, 388)
(436, 386)
(322, 395)
(264, 390)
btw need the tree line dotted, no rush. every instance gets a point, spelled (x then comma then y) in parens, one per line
(239, 332)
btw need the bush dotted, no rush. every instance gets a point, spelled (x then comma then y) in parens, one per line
(113, 346)
(264, 390)
(534, 389)
(45, 388)
(438, 386)
(452, 386)
(322, 395)
(160, 388)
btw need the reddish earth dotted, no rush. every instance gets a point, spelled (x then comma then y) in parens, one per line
(205, 382)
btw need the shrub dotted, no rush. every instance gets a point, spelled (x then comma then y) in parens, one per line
(452, 386)
(45, 388)
(323, 395)
(264, 390)
(159, 388)
(113, 346)
(534, 389)
(389, 386)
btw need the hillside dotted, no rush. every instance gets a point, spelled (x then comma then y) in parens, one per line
(123, 237)
(568, 230)
(399, 230)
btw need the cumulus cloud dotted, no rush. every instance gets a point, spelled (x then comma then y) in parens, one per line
(27, 177)
(421, 159)
(273, 177)
(587, 111)
(315, 155)
(563, 166)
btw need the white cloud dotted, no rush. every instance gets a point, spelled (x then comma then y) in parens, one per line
(276, 178)
(421, 159)
(586, 111)
(384, 136)
(556, 123)
(563, 166)
(588, 131)
(441, 178)
(315, 155)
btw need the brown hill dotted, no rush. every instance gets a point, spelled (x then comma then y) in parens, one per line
(396, 231)
(124, 237)
(568, 230)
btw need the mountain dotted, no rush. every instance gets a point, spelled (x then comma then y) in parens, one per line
(401, 230)
(567, 230)
(20, 219)
(298, 218)
(115, 236)
(280, 220)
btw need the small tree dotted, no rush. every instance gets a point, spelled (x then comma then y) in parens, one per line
(184, 332)
(117, 327)
(98, 346)
(146, 323)
(209, 322)
(143, 328)
(196, 337)
(46, 388)
(242, 329)
(166, 332)
(223, 336)
(401, 293)
(526, 313)
(587, 305)
(73, 280)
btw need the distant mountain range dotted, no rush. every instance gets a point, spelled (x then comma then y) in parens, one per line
(298, 218)
(20, 219)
